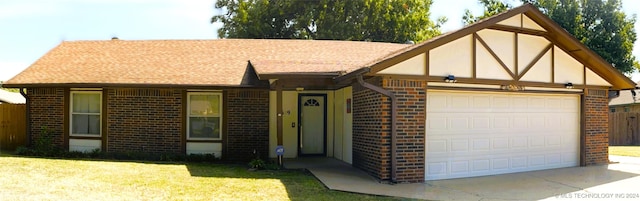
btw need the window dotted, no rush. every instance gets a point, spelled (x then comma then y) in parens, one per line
(627, 109)
(613, 110)
(86, 107)
(311, 102)
(204, 116)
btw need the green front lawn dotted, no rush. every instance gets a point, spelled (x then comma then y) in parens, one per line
(625, 150)
(62, 179)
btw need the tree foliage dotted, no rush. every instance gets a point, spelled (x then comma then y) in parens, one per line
(491, 8)
(371, 20)
(8, 89)
(599, 24)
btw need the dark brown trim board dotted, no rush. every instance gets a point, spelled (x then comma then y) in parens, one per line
(494, 55)
(183, 117)
(225, 123)
(66, 119)
(104, 122)
(534, 61)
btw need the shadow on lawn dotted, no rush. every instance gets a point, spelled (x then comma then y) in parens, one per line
(299, 184)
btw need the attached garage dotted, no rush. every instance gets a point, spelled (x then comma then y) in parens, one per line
(512, 93)
(473, 133)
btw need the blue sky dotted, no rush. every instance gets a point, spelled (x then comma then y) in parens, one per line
(30, 28)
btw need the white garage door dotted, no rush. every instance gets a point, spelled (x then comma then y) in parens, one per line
(486, 133)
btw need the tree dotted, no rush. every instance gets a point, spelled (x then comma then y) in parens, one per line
(491, 8)
(6, 89)
(363, 20)
(599, 24)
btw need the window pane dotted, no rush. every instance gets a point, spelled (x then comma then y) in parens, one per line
(204, 127)
(205, 105)
(85, 124)
(80, 123)
(94, 124)
(86, 103)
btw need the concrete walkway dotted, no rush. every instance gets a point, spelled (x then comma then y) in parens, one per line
(618, 180)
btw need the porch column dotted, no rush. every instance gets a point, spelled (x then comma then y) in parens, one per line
(279, 117)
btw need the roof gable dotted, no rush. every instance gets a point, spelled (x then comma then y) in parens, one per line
(527, 20)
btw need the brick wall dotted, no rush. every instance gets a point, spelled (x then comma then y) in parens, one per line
(371, 132)
(596, 144)
(144, 120)
(47, 110)
(248, 124)
(410, 132)
(372, 129)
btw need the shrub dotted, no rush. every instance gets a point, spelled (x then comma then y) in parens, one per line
(272, 166)
(25, 151)
(43, 145)
(257, 164)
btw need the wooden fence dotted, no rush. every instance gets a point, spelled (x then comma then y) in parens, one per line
(624, 128)
(13, 131)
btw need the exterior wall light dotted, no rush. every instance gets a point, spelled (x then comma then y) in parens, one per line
(568, 85)
(450, 79)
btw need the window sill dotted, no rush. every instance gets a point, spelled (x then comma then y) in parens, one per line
(85, 136)
(203, 140)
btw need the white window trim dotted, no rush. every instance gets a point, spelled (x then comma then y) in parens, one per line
(188, 114)
(71, 113)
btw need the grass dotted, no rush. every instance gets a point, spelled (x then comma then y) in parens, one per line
(625, 150)
(61, 179)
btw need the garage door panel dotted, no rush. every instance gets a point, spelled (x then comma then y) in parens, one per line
(459, 145)
(519, 142)
(437, 123)
(536, 141)
(437, 169)
(459, 102)
(501, 103)
(500, 143)
(480, 165)
(481, 122)
(520, 103)
(460, 123)
(501, 164)
(519, 121)
(481, 102)
(537, 160)
(554, 158)
(494, 133)
(553, 140)
(437, 145)
(569, 158)
(481, 144)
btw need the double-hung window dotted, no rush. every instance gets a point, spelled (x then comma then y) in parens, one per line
(86, 109)
(204, 118)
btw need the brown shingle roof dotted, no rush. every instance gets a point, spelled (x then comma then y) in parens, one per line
(626, 98)
(194, 62)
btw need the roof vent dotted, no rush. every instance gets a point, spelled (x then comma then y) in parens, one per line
(114, 38)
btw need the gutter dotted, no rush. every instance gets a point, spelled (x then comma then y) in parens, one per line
(394, 107)
(28, 108)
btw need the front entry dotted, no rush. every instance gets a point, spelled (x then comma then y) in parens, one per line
(312, 135)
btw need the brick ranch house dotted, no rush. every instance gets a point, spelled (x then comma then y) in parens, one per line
(512, 93)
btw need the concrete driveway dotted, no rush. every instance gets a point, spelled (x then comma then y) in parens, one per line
(616, 181)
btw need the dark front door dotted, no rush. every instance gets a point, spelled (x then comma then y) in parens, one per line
(313, 123)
